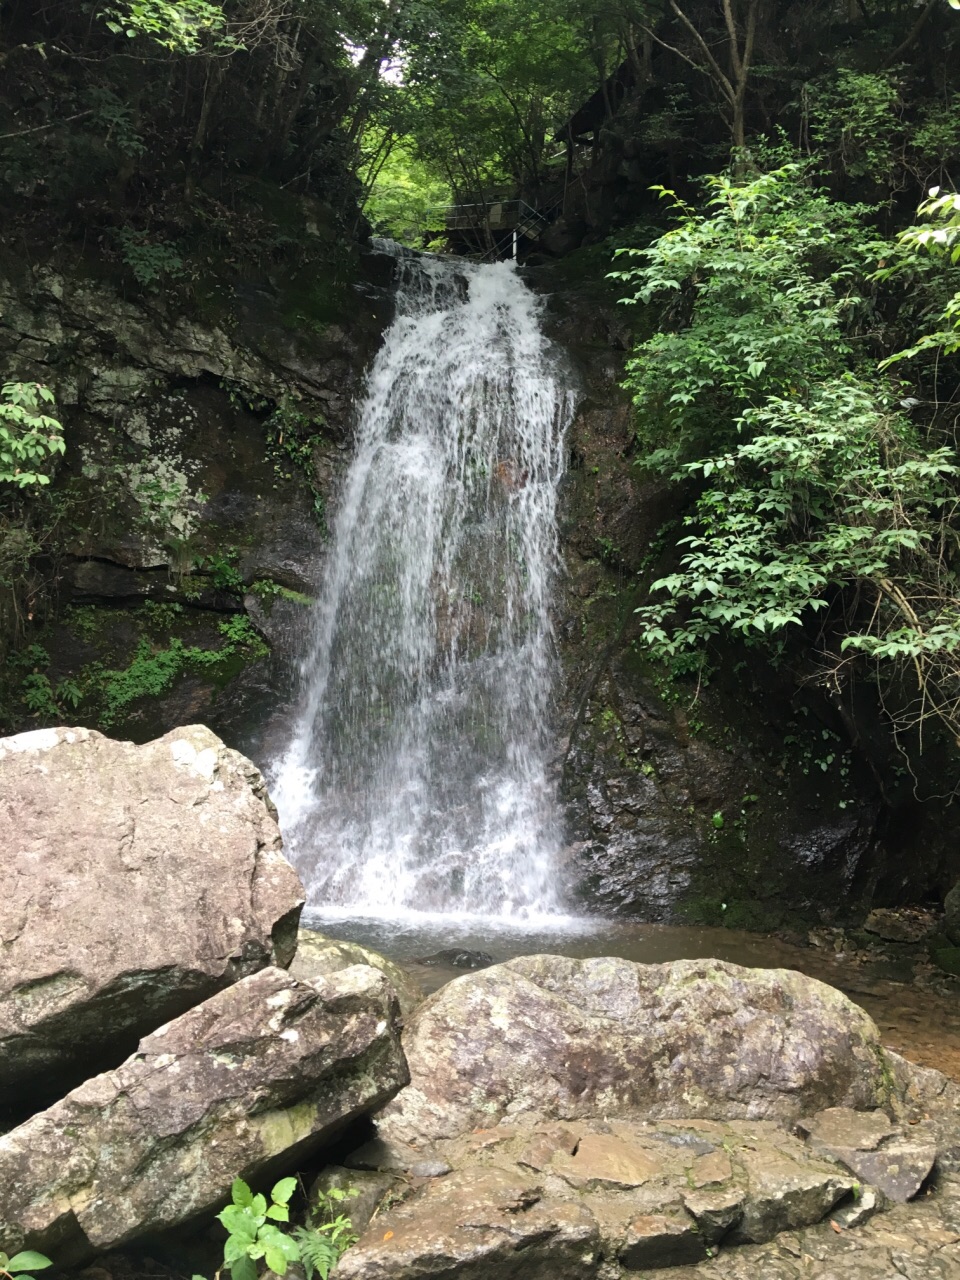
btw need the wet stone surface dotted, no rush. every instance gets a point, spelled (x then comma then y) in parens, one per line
(896, 1163)
(689, 1199)
(566, 1199)
(915, 1241)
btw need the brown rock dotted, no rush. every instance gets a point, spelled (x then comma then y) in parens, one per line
(138, 881)
(481, 1224)
(716, 1210)
(710, 1169)
(547, 1143)
(252, 1080)
(897, 926)
(557, 1038)
(603, 1161)
(659, 1240)
(784, 1194)
(843, 1127)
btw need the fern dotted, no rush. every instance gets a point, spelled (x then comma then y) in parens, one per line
(321, 1248)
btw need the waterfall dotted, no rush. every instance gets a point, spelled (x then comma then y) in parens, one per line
(417, 777)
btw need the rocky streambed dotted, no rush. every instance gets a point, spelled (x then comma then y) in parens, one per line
(544, 1118)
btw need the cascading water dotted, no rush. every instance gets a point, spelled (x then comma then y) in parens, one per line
(417, 778)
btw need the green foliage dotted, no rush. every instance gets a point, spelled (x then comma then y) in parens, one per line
(942, 239)
(222, 568)
(116, 118)
(36, 691)
(481, 105)
(29, 438)
(252, 1234)
(268, 589)
(38, 695)
(854, 121)
(151, 261)
(21, 1263)
(405, 196)
(152, 670)
(178, 25)
(329, 1235)
(754, 295)
(292, 438)
(814, 494)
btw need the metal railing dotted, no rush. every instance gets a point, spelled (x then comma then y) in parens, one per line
(492, 216)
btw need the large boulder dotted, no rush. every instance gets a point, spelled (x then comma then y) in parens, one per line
(317, 955)
(548, 1037)
(244, 1085)
(138, 881)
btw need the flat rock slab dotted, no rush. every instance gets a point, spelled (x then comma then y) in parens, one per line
(547, 1037)
(604, 1162)
(138, 880)
(895, 1161)
(915, 1241)
(254, 1078)
(623, 1198)
(478, 1224)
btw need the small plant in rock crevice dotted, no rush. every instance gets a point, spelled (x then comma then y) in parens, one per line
(18, 1267)
(253, 1233)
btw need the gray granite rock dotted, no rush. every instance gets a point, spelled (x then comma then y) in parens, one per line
(252, 1080)
(138, 881)
(893, 1160)
(549, 1037)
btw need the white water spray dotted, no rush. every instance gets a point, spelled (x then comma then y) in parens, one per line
(417, 777)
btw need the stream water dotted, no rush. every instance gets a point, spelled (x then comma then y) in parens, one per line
(417, 774)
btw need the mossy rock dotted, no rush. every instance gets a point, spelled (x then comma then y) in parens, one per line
(948, 958)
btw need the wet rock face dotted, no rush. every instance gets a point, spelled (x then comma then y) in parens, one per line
(138, 881)
(951, 911)
(685, 797)
(213, 437)
(264, 1071)
(549, 1037)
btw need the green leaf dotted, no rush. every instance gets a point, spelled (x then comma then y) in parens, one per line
(241, 1193)
(243, 1269)
(279, 1213)
(273, 1238)
(28, 1260)
(284, 1189)
(276, 1261)
(240, 1222)
(234, 1248)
